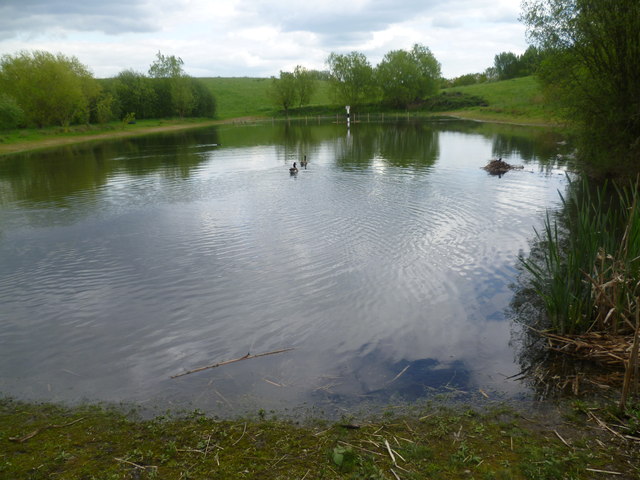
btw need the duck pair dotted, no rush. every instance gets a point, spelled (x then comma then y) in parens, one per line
(303, 163)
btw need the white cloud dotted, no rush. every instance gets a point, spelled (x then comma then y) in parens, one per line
(260, 37)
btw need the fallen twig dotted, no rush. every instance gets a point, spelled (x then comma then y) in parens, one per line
(608, 472)
(141, 467)
(42, 429)
(400, 374)
(561, 439)
(393, 458)
(604, 425)
(243, 432)
(248, 356)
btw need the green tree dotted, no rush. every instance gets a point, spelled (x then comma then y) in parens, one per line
(103, 110)
(408, 76)
(166, 66)
(284, 90)
(591, 69)
(50, 89)
(305, 84)
(204, 101)
(135, 93)
(176, 81)
(507, 65)
(11, 115)
(352, 78)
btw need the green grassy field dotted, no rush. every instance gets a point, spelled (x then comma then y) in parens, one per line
(518, 100)
(249, 97)
(514, 101)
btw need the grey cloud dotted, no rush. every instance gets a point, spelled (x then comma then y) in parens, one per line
(30, 17)
(373, 16)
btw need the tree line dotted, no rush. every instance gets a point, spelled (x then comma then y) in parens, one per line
(402, 77)
(506, 65)
(42, 89)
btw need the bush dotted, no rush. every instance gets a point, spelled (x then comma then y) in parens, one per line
(11, 115)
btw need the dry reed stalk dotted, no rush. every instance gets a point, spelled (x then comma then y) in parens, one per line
(606, 349)
(26, 437)
(631, 372)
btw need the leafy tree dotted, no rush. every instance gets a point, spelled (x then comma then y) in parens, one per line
(407, 76)
(103, 110)
(284, 90)
(176, 82)
(591, 69)
(507, 65)
(531, 60)
(469, 79)
(135, 93)
(352, 77)
(204, 101)
(50, 89)
(182, 98)
(429, 68)
(305, 84)
(11, 115)
(166, 66)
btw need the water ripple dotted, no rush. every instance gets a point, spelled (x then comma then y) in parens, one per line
(168, 266)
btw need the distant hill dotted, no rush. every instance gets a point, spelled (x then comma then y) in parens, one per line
(518, 100)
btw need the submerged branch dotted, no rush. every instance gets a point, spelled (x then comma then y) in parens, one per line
(227, 362)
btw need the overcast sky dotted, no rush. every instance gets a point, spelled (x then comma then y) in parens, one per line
(258, 38)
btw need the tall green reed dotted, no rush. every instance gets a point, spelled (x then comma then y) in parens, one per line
(587, 267)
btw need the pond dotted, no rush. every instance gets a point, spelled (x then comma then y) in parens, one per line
(387, 264)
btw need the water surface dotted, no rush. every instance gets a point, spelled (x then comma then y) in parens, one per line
(387, 264)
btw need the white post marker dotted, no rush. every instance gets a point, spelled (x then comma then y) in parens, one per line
(348, 107)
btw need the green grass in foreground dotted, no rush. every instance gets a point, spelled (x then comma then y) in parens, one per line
(45, 441)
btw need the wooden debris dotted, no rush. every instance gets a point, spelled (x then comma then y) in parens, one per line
(26, 437)
(248, 356)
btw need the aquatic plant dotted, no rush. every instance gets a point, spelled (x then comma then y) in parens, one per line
(587, 270)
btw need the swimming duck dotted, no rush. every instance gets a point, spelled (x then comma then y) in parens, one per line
(303, 162)
(293, 169)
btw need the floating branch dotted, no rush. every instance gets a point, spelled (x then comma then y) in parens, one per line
(227, 362)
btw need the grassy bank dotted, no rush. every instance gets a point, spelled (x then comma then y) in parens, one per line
(249, 97)
(46, 441)
(515, 101)
(518, 100)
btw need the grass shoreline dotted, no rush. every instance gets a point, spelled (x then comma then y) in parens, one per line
(435, 442)
(54, 140)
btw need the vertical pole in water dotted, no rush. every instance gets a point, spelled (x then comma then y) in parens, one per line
(348, 107)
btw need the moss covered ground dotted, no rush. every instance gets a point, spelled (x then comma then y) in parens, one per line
(43, 441)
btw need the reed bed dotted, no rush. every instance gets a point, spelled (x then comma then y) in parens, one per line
(587, 273)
